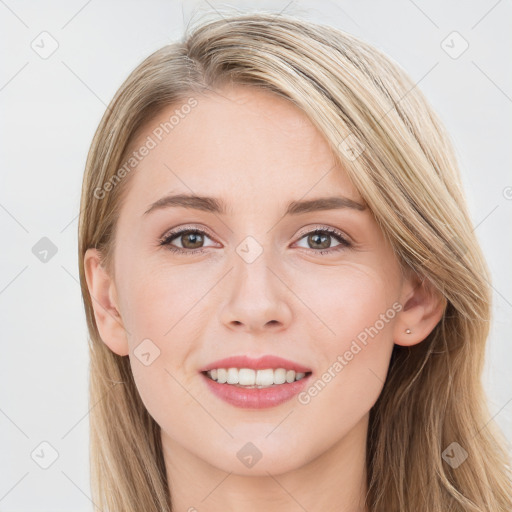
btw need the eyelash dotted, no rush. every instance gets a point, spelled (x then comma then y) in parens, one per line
(167, 239)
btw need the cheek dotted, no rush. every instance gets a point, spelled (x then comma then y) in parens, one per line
(354, 309)
(346, 299)
(160, 347)
(161, 303)
(165, 315)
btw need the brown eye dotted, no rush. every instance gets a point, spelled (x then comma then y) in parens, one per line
(318, 241)
(186, 241)
(191, 240)
(321, 240)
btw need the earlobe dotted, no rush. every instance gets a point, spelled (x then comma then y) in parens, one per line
(423, 308)
(103, 298)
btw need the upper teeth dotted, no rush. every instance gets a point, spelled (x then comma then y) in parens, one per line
(250, 377)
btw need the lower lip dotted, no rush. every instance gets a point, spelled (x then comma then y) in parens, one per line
(254, 398)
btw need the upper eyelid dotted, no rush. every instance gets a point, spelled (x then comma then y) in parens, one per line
(185, 228)
(332, 231)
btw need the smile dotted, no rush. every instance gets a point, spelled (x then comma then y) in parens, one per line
(249, 378)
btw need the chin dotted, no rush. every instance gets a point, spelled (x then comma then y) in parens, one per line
(259, 456)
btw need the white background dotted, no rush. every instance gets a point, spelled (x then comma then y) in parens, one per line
(50, 109)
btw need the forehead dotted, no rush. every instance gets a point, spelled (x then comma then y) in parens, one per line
(239, 142)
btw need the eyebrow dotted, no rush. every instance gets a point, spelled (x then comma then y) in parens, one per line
(214, 205)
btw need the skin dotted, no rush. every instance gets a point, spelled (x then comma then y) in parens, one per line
(257, 152)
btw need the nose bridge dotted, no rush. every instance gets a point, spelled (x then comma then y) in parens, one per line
(252, 262)
(256, 296)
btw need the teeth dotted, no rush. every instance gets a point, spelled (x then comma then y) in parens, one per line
(254, 378)
(222, 375)
(279, 376)
(246, 376)
(232, 376)
(290, 376)
(265, 377)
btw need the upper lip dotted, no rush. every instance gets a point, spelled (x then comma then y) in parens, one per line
(262, 363)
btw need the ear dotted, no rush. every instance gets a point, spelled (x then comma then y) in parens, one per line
(423, 308)
(104, 301)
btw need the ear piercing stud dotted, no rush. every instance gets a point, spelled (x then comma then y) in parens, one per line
(408, 331)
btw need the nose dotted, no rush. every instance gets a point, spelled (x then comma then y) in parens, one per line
(258, 299)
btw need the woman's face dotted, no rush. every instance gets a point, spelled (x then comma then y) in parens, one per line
(255, 281)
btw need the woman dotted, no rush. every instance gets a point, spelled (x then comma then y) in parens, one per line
(273, 231)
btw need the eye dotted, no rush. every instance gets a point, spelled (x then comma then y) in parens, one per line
(191, 241)
(320, 240)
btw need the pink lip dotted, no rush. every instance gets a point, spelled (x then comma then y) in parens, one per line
(255, 398)
(261, 363)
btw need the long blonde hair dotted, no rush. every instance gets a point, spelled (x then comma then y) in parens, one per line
(407, 173)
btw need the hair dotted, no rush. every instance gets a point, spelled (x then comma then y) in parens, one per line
(407, 174)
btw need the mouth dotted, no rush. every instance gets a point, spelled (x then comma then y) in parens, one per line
(254, 379)
(255, 383)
